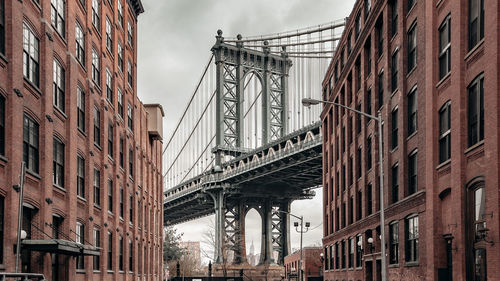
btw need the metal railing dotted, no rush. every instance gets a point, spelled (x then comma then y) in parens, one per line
(4, 276)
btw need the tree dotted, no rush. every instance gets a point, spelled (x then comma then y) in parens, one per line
(172, 250)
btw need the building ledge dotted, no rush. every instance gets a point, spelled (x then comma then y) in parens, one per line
(59, 246)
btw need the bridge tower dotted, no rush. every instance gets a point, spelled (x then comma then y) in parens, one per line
(233, 64)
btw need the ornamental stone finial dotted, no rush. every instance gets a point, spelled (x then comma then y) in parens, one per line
(219, 32)
(239, 37)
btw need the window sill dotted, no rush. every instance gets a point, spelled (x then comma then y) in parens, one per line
(98, 146)
(96, 271)
(60, 36)
(411, 9)
(32, 87)
(81, 198)
(444, 164)
(82, 132)
(110, 272)
(60, 114)
(80, 271)
(445, 78)
(4, 58)
(33, 174)
(474, 147)
(110, 213)
(411, 71)
(4, 159)
(60, 188)
(412, 135)
(474, 50)
(97, 207)
(411, 264)
(395, 265)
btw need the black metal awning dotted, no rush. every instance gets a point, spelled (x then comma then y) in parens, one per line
(60, 246)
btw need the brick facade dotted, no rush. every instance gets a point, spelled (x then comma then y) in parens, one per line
(437, 204)
(105, 196)
(311, 264)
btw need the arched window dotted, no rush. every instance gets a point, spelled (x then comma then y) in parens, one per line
(475, 230)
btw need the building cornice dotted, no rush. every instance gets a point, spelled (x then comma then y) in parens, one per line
(136, 6)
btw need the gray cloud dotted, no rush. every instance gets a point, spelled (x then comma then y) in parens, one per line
(174, 41)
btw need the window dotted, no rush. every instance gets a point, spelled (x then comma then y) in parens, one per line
(351, 167)
(412, 47)
(367, 7)
(369, 153)
(411, 243)
(120, 103)
(476, 223)
(351, 212)
(131, 209)
(358, 120)
(110, 139)
(120, 57)
(337, 256)
(358, 74)
(394, 119)
(129, 117)
(97, 243)
(412, 173)
(412, 112)
(359, 163)
(109, 85)
(130, 32)
(395, 183)
(57, 16)
(380, 89)
(120, 257)
(2, 125)
(96, 18)
(97, 187)
(349, 43)
(96, 68)
(369, 197)
(445, 132)
(80, 44)
(131, 162)
(445, 47)
(394, 243)
(359, 250)
(80, 232)
(394, 72)
(121, 202)
(80, 103)
(130, 256)
(357, 28)
(350, 124)
(369, 103)
(58, 163)
(368, 52)
(343, 254)
(139, 212)
(2, 27)
(31, 56)
(2, 228)
(121, 152)
(97, 127)
(476, 22)
(379, 26)
(30, 144)
(341, 59)
(394, 16)
(129, 74)
(110, 195)
(120, 13)
(475, 112)
(58, 85)
(109, 35)
(80, 176)
(351, 252)
(110, 250)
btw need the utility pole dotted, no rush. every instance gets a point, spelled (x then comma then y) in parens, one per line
(20, 213)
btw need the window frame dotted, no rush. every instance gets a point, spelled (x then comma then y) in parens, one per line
(445, 133)
(96, 17)
(412, 47)
(58, 168)
(97, 187)
(412, 111)
(96, 260)
(394, 242)
(80, 104)
(109, 86)
(80, 43)
(411, 241)
(31, 145)
(97, 126)
(109, 35)
(475, 111)
(479, 28)
(58, 16)
(394, 128)
(395, 183)
(80, 176)
(413, 172)
(59, 85)
(31, 64)
(444, 48)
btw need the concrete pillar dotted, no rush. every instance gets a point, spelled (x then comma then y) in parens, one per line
(240, 253)
(266, 253)
(285, 231)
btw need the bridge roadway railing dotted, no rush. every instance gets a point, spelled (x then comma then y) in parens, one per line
(238, 167)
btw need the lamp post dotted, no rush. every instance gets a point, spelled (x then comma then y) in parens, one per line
(301, 231)
(308, 102)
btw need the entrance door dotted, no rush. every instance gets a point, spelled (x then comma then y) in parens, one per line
(368, 271)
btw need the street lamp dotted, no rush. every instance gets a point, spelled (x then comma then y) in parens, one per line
(308, 102)
(301, 231)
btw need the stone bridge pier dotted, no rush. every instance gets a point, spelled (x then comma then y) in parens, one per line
(230, 213)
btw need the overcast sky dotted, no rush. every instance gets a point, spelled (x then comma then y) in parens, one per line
(175, 37)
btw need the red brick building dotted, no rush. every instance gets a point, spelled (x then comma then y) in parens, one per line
(312, 266)
(432, 69)
(69, 109)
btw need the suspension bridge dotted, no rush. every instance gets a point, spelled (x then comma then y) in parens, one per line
(245, 141)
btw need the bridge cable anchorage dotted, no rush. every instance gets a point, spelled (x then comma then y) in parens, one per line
(307, 30)
(189, 103)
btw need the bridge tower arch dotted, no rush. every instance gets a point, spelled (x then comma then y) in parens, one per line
(233, 63)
